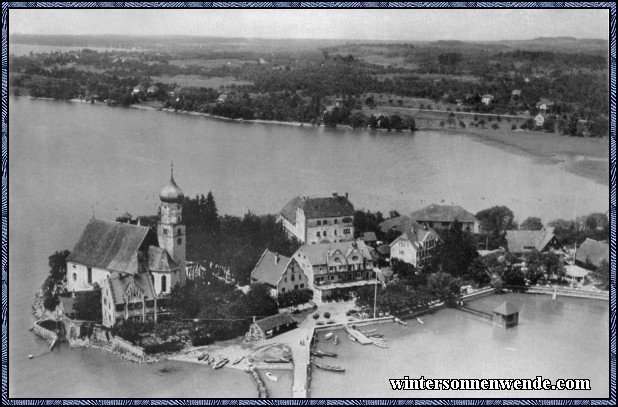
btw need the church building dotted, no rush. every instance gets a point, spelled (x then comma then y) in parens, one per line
(134, 268)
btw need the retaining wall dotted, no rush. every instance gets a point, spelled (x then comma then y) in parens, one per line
(128, 346)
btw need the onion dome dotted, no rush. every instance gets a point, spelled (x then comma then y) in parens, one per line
(171, 193)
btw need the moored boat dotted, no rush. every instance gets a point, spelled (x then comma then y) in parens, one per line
(330, 368)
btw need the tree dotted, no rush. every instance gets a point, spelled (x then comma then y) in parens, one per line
(56, 280)
(531, 223)
(259, 301)
(494, 222)
(456, 251)
(87, 306)
(444, 286)
(602, 274)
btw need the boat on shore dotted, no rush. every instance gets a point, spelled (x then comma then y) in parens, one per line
(330, 368)
(220, 363)
(271, 376)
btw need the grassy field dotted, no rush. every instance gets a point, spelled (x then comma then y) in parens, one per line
(200, 81)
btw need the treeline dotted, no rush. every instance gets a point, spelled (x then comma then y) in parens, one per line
(236, 242)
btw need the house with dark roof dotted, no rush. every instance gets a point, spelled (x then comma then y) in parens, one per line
(135, 266)
(444, 216)
(332, 267)
(282, 274)
(270, 326)
(523, 242)
(315, 220)
(416, 243)
(592, 253)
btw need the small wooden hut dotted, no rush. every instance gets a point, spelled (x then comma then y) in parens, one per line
(506, 315)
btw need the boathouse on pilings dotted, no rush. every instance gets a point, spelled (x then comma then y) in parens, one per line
(506, 315)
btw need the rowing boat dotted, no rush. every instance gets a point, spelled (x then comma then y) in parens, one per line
(330, 368)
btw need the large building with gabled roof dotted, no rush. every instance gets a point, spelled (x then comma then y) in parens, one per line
(280, 273)
(134, 267)
(316, 220)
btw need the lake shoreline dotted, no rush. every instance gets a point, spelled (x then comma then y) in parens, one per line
(584, 157)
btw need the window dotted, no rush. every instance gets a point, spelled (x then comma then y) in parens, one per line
(163, 283)
(89, 275)
(179, 240)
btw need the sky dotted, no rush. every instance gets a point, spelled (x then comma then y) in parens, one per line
(375, 24)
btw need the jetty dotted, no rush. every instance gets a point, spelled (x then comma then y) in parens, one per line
(358, 335)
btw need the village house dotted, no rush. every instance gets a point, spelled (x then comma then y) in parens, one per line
(280, 273)
(332, 267)
(132, 265)
(268, 327)
(487, 99)
(522, 243)
(315, 220)
(137, 90)
(591, 254)
(415, 245)
(445, 216)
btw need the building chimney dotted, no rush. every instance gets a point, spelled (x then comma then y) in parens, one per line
(335, 194)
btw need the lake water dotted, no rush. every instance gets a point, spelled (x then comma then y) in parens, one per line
(566, 338)
(70, 160)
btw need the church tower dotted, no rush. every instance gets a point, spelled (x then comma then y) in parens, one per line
(171, 230)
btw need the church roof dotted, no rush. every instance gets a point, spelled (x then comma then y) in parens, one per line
(171, 193)
(110, 245)
(160, 260)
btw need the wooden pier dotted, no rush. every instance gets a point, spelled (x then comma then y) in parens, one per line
(358, 335)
